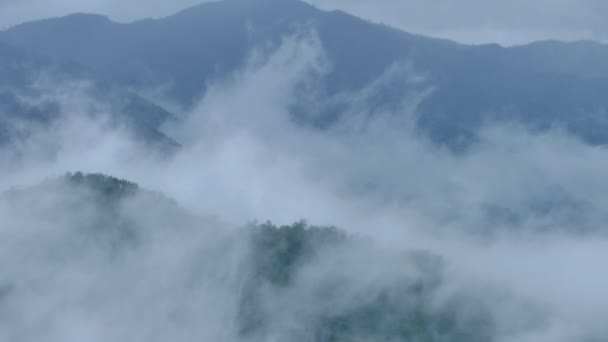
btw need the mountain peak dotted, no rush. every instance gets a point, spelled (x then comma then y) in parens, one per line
(87, 17)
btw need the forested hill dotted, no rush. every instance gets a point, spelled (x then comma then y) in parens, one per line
(290, 283)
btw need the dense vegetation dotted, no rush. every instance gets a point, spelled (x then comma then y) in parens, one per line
(102, 185)
(398, 307)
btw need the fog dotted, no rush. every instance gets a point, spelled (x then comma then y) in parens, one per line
(518, 216)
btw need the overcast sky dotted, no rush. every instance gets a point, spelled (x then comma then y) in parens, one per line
(474, 21)
(509, 22)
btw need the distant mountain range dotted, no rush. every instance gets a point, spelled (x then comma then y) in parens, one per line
(543, 84)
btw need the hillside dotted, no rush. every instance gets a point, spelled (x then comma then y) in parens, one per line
(36, 91)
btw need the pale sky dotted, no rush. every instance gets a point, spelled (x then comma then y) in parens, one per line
(472, 21)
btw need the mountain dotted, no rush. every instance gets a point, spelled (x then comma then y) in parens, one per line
(471, 83)
(33, 86)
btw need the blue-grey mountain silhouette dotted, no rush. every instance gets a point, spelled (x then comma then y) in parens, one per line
(471, 83)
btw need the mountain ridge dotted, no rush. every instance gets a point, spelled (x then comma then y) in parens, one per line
(196, 46)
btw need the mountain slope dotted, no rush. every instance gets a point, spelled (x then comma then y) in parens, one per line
(33, 87)
(472, 83)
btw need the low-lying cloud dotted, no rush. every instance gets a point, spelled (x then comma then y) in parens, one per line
(518, 216)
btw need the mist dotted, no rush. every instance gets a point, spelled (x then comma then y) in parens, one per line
(517, 217)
